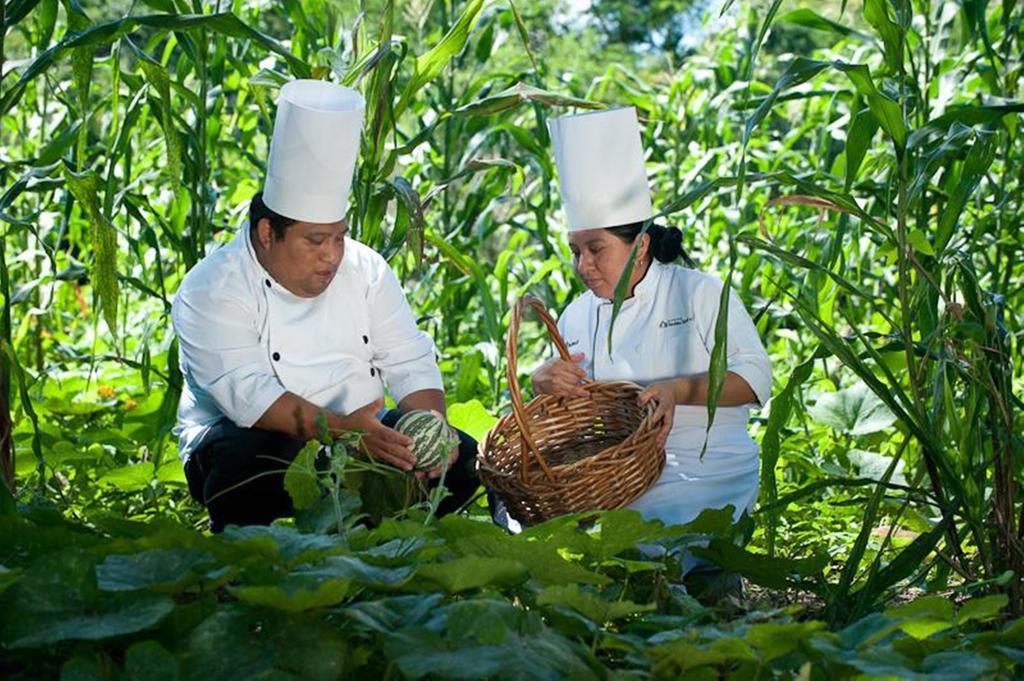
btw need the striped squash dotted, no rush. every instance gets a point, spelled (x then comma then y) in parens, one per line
(432, 438)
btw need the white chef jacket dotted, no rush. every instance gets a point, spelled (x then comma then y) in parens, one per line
(245, 339)
(667, 330)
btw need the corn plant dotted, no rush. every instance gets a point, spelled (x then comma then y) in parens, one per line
(862, 199)
(902, 280)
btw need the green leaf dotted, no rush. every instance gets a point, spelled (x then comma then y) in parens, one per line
(8, 577)
(240, 642)
(360, 572)
(613, 533)
(800, 70)
(57, 600)
(486, 638)
(150, 661)
(16, 10)
(855, 410)
(430, 64)
(542, 559)
(972, 171)
(110, 617)
(718, 365)
(982, 609)
(810, 19)
(524, 37)
(775, 573)
(968, 115)
(907, 562)
(86, 189)
(130, 478)
(794, 260)
(622, 285)
(924, 616)
(778, 416)
(106, 33)
(938, 156)
(472, 268)
(876, 12)
(762, 32)
(775, 639)
(682, 659)
(159, 79)
(47, 20)
(385, 615)
(919, 241)
(522, 93)
(472, 572)
(956, 665)
(873, 466)
(295, 593)
(409, 201)
(166, 568)
(300, 480)
(590, 604)
(472, 167)
(840, 602)
(284, 544)
(858, 141)
(886, 111)
(471, 418)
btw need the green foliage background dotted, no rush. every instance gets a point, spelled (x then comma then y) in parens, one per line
(853, 170)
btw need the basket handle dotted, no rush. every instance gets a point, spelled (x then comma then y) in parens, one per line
(515, 391)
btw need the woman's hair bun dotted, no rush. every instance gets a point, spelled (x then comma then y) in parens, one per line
(666, 242)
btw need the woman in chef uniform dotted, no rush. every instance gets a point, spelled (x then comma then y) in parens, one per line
(665, 329)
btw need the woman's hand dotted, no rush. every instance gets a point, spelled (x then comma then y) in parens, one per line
(559, 377)
(664, 396)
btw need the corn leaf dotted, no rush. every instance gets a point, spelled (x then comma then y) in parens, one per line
(86, 189)
(886, 111)
(430, 64)
(876, 12)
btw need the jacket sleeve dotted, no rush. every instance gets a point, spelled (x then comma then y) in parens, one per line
(405, 355)
(745, 354)
(221, 354)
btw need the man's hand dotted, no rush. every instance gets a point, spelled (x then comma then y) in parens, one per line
(559, 377)
(379, 441)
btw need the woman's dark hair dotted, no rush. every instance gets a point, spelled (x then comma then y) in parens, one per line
(259, 210)
(666, 242)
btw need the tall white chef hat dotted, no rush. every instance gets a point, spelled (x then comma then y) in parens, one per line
(601, 172)
(313, 151)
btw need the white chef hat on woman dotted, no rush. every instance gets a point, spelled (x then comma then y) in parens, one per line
(601, 172)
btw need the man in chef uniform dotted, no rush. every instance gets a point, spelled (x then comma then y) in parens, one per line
(293, 319)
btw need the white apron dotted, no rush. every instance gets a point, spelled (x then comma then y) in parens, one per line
(666, 330)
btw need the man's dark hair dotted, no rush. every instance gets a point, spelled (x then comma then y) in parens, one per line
(259, 210)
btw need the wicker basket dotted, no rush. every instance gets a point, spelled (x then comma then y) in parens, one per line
(560, 455)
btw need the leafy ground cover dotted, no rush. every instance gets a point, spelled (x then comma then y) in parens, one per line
(456, 598)
(853, 170)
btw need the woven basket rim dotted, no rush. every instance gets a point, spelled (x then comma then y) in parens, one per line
(535, 489)
(643, 429)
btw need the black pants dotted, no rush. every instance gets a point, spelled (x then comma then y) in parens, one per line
(238, 474)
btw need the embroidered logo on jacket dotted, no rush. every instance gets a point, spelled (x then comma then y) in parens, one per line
(675, 321)
(571, 343)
